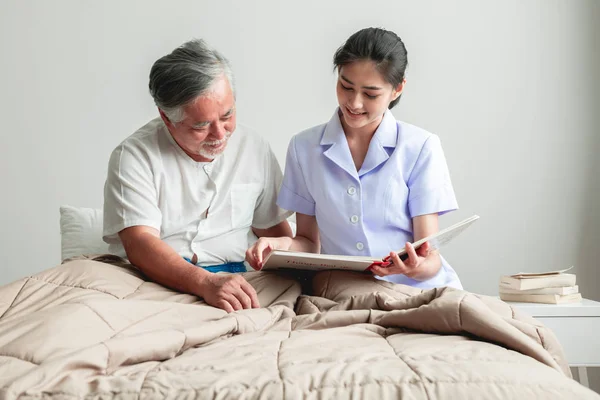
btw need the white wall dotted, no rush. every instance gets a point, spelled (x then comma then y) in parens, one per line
(510, 86)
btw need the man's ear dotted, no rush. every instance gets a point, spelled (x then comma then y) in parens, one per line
(399, 89)
(165, 119)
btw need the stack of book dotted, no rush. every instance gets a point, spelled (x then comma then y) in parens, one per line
(555, 287)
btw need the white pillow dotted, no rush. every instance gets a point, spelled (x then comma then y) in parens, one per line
(81, 232)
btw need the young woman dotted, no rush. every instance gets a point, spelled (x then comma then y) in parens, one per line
(364, 183)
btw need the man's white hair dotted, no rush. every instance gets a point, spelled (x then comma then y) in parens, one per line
(188, 72)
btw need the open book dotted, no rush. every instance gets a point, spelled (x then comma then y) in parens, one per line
(318, 262)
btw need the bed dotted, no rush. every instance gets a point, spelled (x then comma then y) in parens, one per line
(95, 327)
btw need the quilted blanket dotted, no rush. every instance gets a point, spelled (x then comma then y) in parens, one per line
(93, 329)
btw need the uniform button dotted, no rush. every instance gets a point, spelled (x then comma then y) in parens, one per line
(354, 219)
(207, 168)
(360, 245)
(351, 190)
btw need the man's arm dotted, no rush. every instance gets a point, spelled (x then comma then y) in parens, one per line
(162, 264)
(148, 252)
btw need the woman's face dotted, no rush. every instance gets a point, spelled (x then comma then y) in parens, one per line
(363, 94)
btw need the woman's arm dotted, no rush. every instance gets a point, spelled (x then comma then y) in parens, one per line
(423, 226)
(421, 264)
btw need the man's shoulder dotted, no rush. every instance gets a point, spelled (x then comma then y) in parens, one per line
(249, 136)
(143, 144)
(147, 133)
(144, 138)
(247, 144)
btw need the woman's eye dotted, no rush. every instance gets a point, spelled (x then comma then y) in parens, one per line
(371, 96)
(346, 87)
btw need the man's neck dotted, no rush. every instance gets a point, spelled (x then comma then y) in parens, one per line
(197, 157)
(193, 156)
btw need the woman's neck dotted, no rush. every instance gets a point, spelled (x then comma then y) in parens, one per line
(361, 134)
(359, 139)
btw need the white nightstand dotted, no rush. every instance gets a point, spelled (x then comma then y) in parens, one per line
(577, 327)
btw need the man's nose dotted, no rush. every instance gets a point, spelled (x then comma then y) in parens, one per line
(219, 132)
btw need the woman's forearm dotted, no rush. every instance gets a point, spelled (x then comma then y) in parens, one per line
(429, 267)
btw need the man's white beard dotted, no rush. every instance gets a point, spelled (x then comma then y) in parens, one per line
(209, 153)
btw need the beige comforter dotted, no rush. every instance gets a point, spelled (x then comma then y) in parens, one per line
(95, 330)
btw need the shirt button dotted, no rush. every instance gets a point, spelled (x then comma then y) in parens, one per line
(360, 245)
(207, 168)
(354, 219)
(351, 190)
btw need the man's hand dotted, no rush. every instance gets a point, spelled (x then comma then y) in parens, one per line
(228, 292)
(256, 254)
(162, 264)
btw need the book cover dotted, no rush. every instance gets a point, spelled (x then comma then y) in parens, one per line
(541, 298)
(559, 280)
(549, 290)
(318, 262)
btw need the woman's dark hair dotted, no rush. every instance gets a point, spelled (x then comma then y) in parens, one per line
(383, 47)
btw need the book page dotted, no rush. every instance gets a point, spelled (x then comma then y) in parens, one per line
(526, 275)
(444, 236)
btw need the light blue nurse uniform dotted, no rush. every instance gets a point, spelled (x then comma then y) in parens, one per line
(369, 212)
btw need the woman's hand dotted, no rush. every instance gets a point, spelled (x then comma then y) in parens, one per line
(421, 263)
(256, 254)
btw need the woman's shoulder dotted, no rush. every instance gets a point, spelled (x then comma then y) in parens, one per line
(309, 137)
(415, 141)
(413, 133)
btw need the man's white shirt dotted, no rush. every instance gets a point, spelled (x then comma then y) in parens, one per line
(206, 208)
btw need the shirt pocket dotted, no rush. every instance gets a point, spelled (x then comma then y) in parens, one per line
(396, 205)
(243, 203)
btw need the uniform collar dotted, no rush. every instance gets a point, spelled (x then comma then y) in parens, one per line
(339, 152)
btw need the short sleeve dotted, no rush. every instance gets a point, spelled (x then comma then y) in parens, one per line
(130, 197)
(294, 194)
(430, 188)
(266, 212)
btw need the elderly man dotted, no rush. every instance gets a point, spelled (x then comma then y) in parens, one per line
(186, 194)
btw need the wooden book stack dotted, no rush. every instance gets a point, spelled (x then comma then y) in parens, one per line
(554, 287)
